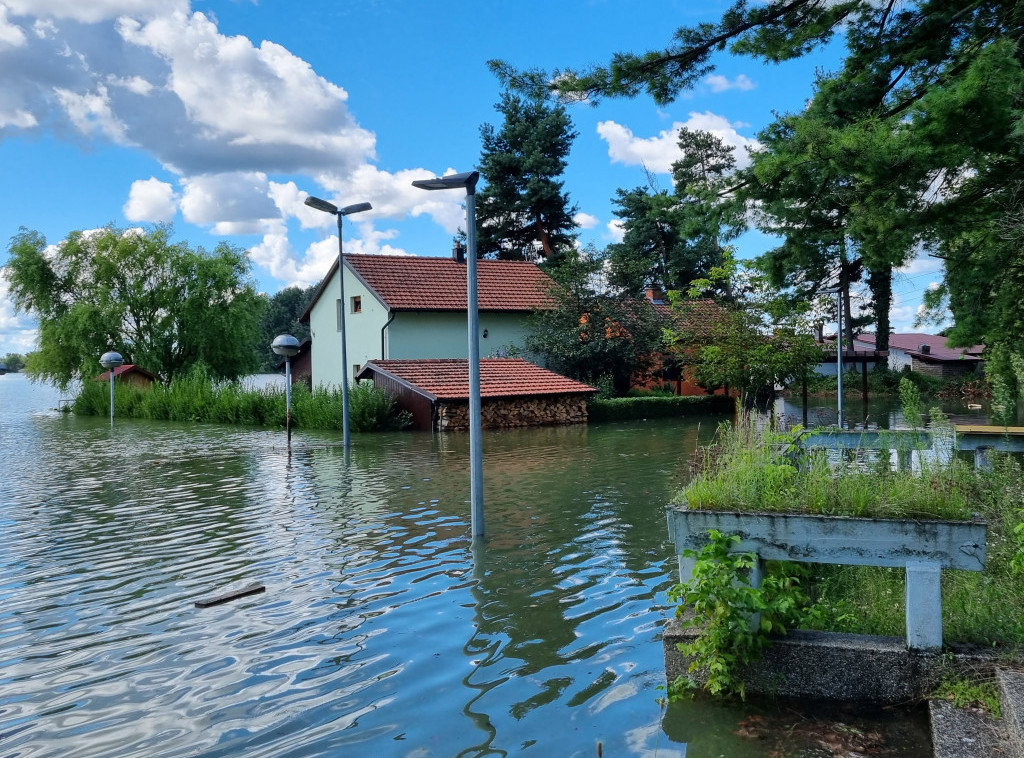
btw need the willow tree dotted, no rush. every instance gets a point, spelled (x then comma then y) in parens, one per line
(163, 306)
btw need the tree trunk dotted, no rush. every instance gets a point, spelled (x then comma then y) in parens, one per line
(880, 282)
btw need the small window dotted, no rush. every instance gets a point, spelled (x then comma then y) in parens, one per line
(357, 304)
(339, 313)
(355, 368)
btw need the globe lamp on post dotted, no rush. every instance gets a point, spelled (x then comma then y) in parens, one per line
(467, 181)
(340, 213)
(110, 361)
(288, 346)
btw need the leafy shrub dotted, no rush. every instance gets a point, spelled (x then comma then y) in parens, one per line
(656, 406)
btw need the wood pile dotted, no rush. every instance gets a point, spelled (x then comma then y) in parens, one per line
(514, 412)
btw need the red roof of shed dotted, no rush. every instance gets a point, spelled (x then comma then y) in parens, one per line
(448, 378)
(125, 369)
(411, 283)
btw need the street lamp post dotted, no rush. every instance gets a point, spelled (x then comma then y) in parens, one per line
(326, 207)
(110, 361)
(288, 346)
(467, 181)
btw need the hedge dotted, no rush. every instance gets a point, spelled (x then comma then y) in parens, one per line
(629, 408)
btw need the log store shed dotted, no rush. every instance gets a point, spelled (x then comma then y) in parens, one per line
(513, 392)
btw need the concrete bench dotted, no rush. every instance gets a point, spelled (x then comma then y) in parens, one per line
(923, 548)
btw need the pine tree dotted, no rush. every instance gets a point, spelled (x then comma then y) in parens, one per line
(522, 212)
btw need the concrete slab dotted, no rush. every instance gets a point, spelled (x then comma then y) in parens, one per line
(850, 667)
(1011, 694)
(966, 732)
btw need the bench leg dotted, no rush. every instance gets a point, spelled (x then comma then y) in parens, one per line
(924, 606)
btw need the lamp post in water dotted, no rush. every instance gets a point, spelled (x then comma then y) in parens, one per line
(348, 210)
(467, 181)
(288, 346)
(110, 361)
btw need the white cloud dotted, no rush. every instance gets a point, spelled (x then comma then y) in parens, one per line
(11, 34)
(151, 200)
(91, 11)
(585, 220)
(719, 83)
(241, 199)
(659, 152)
(616, 230)
(18, 333)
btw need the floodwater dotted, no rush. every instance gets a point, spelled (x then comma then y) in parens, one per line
(382, 630)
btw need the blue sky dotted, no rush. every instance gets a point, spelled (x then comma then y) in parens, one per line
(220, 115)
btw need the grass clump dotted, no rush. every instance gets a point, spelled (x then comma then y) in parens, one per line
(656, 406)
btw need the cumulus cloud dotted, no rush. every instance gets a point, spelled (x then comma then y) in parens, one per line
(227, 117)
(616, 230)
(719, 83)
(18, 333)
(151, 200)
(659, 152)
(585, 220)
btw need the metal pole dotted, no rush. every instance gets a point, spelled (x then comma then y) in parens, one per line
(346, 436)
(839, 355)
(288, 398)
(476, 453)
(111, 370)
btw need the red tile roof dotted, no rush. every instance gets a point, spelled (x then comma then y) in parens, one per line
(448, 378)
(938, 351)
(412, 283)
(125, 369)
(697, 318)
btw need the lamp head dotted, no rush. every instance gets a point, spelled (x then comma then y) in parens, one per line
(467, 179)
(111, 360)
(321, 205)
(285, 344)
(348, 210)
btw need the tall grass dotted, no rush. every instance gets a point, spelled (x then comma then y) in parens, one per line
(747, 470)
(195, 398)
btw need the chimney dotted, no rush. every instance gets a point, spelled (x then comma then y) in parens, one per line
(925, 349)
(458, 252)
(655, 294)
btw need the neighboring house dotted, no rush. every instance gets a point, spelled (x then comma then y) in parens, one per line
(405, 307)
(302, 364)
(859, 359)
(131, 374)
(926, 353)
(696, 319)
(513, 392)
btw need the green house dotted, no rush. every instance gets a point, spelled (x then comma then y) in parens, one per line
(400, 307)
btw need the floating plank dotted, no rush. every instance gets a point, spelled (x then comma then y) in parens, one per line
(252, 589)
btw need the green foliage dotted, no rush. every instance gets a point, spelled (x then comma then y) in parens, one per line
(522, 211)
(734, 619)
(750, 470)
(195, 398)
(163, 306)
(589, 335)
(13, 361)
(281, 316)
(910, 400)
(967, 692)
(656, 406)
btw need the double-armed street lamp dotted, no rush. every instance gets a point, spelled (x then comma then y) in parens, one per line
(288, 346)
(467, 181)
(348, 210)
(110, 361)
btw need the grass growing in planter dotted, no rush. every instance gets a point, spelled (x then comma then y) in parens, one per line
(748, 471)
(194, 398)
(751, 470)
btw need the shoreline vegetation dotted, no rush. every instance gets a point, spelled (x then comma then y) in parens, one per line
(195, 398)
(746, 469)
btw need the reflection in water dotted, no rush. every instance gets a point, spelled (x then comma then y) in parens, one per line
(383, 630)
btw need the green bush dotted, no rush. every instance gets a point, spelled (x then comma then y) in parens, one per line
(656, 406)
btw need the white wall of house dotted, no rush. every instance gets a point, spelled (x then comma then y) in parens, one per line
(897, 358)
(420, 334)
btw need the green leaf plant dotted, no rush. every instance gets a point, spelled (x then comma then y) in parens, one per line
(735, 620)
